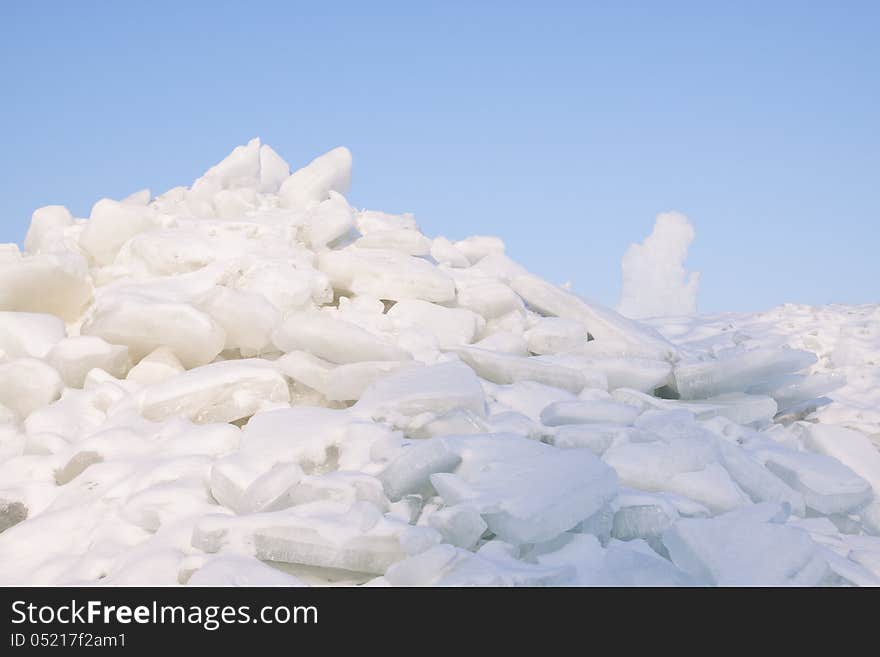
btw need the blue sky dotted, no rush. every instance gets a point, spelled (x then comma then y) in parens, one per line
(561, 127)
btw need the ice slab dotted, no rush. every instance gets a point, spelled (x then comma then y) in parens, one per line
(74, 357)
(144, 325)
(504, 369)
(29, 334)
(219, 392)
(313, 183)
(333, 339)
(27, 384)
(588, 411)
(436, 389)
(451, 326)
(411, 470)
(56, 284)
(602, 323)
(826, 484)
(532, 498)
(733, 552)
(385, 274)
(736, 370)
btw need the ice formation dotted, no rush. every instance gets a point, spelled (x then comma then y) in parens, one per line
(654, 280)
(249, 381)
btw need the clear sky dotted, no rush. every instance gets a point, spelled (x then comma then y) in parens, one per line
(561, 127)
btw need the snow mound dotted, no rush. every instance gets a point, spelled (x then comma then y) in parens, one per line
(250, 381)
(654, 279)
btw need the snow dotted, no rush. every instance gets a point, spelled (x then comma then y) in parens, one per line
(248, 381)
(654, 280)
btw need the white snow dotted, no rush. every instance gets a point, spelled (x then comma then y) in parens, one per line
(249, 381)
(654, 280)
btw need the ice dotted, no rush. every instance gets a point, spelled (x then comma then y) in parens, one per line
(74, 357)
(143, 325)
(477, 247)
(596, 437)
(535, 497)
(736, 370)
(45, 233)
(446, 253)
(159, 365)
(852, 448)
(344, 487)
(446, 565)
(328, 221)
(236, 570)
(685, 466)
(602, 323)
(29, 334)
(486, 297)
(410, 242)
(27, 384)
(733, 552)
(437, 389)
(249, 381)
(551, 335)
(54, 283)
(411, 470)
(219, 392)
(459, 525)
(333, 339)
(451, 326)
(246, 318)
(654, 279)
(585, 412)
(504, 369)
(759, 483)
(306, 187)
(110, 225)
(385, 274)
(826, 484)
(637, 373)
(273, 170)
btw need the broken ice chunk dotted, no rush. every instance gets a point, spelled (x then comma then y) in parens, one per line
(385, 274)
(110, 224)
(408, 241)
(74, 357)
(827, 485)
(144, 325)
(27, 384)
(240, 570)
(270, 491)
(852, 448)
(451, 326)
(505, 369)
(588, 411)
(220, 392)
(736, 370)
(596, 437)
(742, 552)
(758, 482)
(313, 183)
(460, 525)
(56, 284)
(333, 339)
(533, 498)
(602, 323)
(436, 389)
(410, 471)
(551, 335)
(29, 334)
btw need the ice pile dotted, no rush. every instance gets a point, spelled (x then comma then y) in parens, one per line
(248, 381)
